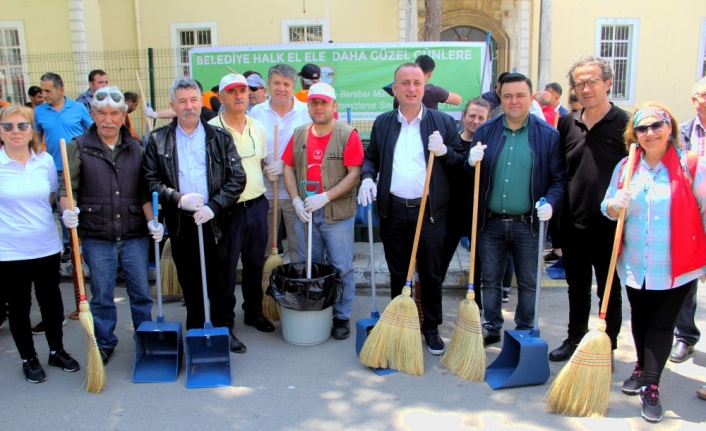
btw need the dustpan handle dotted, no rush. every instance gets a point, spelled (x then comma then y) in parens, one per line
(158, 271)
(204, 287)
(373, 289)
(540, 268)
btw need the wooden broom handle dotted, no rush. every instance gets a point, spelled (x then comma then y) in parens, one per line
(474, 218)
(74, 236)
(420, 219)
(144, 102)
(274, 190)
(618, 236)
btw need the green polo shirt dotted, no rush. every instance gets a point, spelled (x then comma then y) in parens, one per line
(512, 174)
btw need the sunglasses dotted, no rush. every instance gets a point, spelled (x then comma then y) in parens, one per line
(655, 127)
(22, 127)
(115, 96)
(254, 88)
(590, 82)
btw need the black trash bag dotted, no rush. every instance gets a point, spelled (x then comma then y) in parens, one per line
(291, 289)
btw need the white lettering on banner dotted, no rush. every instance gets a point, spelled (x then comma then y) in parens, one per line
(385, 105)
(223, 59)
(357, 93)
(380, 93)
(349, 56)
(314, 57)
(442, 54)
(390, 55)
(267, 57)
(293, 57)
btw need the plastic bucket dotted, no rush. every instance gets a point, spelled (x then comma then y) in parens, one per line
(306, 328)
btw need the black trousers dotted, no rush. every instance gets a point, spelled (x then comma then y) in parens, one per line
(653, 314)
(185, 252)
(247, 230)
(584, 251)
(397, 235)
(455, 229)
(19, 276)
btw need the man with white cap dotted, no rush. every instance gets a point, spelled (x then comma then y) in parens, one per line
(247, 219)
(329, 154)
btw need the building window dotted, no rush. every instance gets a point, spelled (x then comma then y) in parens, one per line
(616, 41)
(701, 66)
(190, 35)
(304, 31)
(12, 67)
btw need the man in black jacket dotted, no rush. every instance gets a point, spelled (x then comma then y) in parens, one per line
(400, 144)
(198, 174)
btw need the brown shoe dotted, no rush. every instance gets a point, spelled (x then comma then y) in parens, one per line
(701, 392)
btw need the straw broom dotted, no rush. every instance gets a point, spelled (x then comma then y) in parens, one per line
(582, 387)
(270, 308)
(465, 356)
(170, 279)
(95, 375)
(395, 341)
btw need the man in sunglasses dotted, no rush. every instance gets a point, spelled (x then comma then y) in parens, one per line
(247, 219)
(258, 92)
(592, 139)
(113, 214)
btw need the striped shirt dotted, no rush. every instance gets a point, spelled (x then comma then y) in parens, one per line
(645, 257)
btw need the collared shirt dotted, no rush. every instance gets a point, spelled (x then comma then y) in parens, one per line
(409, 164)
(512, 172)
(645, 257)
(191, 153)
(698, 137)
(27, 226)
(71, 121)
(252, 149)
(85, 99)
(264, 113)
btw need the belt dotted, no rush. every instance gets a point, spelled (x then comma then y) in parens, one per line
(409, 203)
(250, 202)
(510, 217)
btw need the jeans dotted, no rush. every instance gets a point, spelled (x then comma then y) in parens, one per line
(686, 330)
(496, 240)
(102, 257)
(332, 243)
(287, 215)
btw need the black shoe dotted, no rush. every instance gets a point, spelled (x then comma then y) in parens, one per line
(341, 329)
(34, 371)
(563, 352)
(681, 352)
(551, 256)
(106, 353)
(236, 346)
(633, 385)
(506, 296)
(435, 344)
(260, 323)
(489, 339)
(66, 254)
(64, 361)
(651, 407)
(38, 329)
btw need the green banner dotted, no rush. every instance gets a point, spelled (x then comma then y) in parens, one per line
(358, 72)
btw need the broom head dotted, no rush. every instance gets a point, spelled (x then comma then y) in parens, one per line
(395, 341)
(170, 280)
(270, 308)
(582, 387)
(465, 356)
(95, 375)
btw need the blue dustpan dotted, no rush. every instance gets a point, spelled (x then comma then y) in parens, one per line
(364, 326)
(556, 270)
(523, 360)
(158, 345)
(207, 349)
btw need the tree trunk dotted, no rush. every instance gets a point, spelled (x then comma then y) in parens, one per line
(432, 20)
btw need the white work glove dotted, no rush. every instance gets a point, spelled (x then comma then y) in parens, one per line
(367, 193)
(274, 170)
(70, 218)
(436, 144)
(304, 216)
(621, 199)
(313, 203)
(544, 212)
(476, 154)
(156, 229)
(149, 112)
(203, 215)
(191, 201)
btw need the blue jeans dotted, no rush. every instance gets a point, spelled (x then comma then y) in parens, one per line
(333, 244)
(102, 257)
(686, 330)
(496, 240)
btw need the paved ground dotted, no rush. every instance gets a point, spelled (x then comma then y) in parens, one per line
(278, 386)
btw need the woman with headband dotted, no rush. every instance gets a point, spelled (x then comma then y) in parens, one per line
(663, 249)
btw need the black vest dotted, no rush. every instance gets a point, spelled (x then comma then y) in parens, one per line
(110, 192)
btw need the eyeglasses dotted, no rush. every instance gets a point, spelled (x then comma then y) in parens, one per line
(115, 96)
(254, 88)
(22, 127)
(655, 127)
(590, 82)
(701, 96)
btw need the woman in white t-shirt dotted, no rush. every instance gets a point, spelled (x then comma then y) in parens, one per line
(29, 241)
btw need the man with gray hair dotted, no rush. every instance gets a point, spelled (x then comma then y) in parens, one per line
(284, 112)
(198, 174)
(105, 165)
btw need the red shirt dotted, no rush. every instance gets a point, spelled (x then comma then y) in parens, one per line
(316, 148)
(549, 115)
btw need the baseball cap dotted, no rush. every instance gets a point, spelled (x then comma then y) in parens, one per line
(323, 91)
(310, 71)
(255, 81)
(232, 80)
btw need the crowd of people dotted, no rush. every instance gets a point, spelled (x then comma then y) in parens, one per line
(218, 162)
